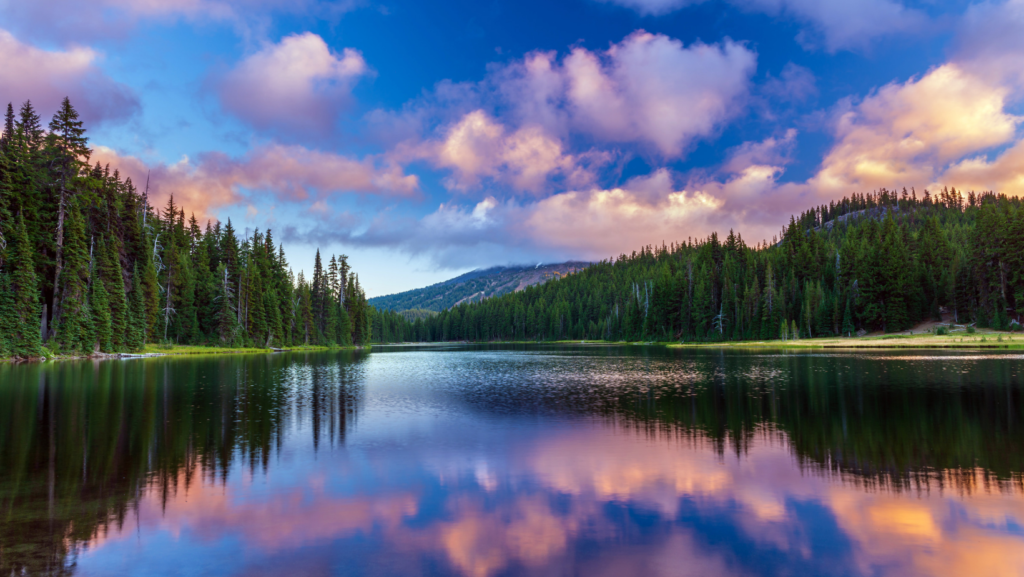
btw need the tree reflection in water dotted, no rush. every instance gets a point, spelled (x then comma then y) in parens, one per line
(81, 443)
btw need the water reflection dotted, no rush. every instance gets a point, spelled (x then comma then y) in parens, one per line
(483, 462)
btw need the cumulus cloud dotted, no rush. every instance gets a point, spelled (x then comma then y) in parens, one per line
(835, 25)
(297, 86)
(46, 77)
(479, 147)
(589, 223)
(651, 88)
(908, 134)
(291, 173)
(649, 93)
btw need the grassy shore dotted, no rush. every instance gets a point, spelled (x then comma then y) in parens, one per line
(983, 339)
(161, 349)
(154, 349)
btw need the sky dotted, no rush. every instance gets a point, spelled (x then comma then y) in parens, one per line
(424, 139)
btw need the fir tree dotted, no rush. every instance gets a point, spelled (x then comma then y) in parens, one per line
(99, 303)
(73, 322)
(135, 339)
(847, 321)
(23, 315)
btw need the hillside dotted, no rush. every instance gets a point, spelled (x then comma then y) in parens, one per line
(883, 262)
(475, 286)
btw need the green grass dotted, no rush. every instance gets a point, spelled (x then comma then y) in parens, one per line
(958, 340)
(164, 349)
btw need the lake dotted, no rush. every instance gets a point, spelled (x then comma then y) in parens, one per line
(517, 460)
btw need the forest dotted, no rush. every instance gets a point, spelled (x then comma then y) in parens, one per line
(881, 261)
(88, 265)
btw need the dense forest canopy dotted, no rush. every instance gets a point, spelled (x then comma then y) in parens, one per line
(883, 261)
(88, 264)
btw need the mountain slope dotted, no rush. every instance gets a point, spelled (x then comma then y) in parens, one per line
(475, 286)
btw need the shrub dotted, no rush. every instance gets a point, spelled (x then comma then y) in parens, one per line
(971, 330)
(942, 331)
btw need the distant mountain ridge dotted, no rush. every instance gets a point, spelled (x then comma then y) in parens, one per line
(475, 286)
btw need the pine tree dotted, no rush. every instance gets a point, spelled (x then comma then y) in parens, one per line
(68, 151)
(99, 303)
(73, 322)
(227, 315)
(135, 339)
(24, 339)
(108, 271)
(848, 320)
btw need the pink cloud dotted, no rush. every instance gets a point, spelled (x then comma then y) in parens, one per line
(648, 92)
(297, 86)
(292, 173)
(479, 147)
(650, 88)
(908, 134)
(46, 77)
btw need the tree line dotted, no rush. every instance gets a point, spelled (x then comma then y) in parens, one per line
(87, 264)
(881, 261)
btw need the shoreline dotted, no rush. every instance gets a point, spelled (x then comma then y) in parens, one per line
(983, 339)
(151, 350)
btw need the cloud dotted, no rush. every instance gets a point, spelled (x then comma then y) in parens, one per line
(479, 147)
(522, 125)
(908, 134)
(46, 77)
(73, 21)
(794, 84)
(836, 25)
(298, 86)
(650, 88)
(291, 173)
(989, 41)
(589, 223)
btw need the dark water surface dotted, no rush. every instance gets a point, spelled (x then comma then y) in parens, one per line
(546, 460)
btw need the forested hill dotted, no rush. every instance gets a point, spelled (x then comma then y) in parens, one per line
(475, 286)
(880, 261)
(87, 264)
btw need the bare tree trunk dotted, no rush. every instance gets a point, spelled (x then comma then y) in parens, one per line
(167, 310)
(56, 304)
(42, 324)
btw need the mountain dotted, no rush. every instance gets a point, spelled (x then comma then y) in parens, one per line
(475, 286)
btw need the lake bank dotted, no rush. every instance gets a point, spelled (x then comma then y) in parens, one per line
(159, 350)
(983, 339)
(980, 340)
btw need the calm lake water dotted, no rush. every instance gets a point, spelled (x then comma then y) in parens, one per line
(487, 461)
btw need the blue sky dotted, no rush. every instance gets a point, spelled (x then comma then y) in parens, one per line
(424, 139)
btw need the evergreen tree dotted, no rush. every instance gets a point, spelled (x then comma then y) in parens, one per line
(73, 320)
(135, 339)
(848, 328)
(22, 307)
(99, 303)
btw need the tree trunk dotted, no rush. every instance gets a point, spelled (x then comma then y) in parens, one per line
(56, 304)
